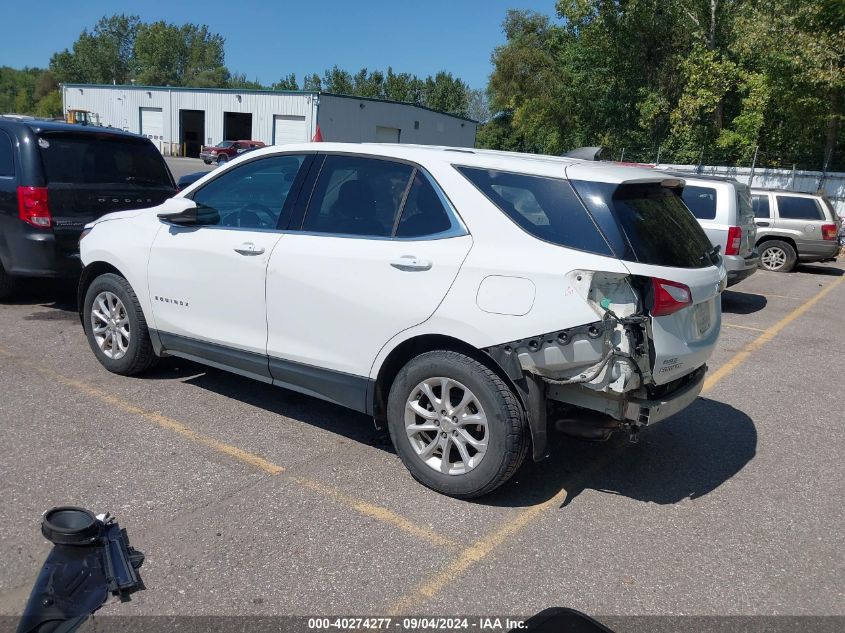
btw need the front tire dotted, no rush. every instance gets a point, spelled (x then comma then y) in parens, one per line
(457, 426)
(777, 256)
(115, 326)
(222, 159)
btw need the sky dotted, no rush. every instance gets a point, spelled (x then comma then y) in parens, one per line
(267, 40)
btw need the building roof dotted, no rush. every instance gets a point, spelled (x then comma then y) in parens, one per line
(264, 91)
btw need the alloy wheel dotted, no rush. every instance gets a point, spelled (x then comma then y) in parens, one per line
(110, 325)
(773, 258)
(446, 426)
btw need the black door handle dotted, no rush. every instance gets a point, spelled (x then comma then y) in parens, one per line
(762, 223)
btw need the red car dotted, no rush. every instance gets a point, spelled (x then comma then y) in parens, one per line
(225, 150)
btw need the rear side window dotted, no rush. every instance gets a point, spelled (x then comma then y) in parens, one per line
(7, 157)
(793, 208)
(760, 204)
(102, 158)
(547, 208)
(701, 201)
(357, 196)
(647, 223)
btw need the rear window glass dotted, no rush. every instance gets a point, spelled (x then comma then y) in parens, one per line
(647, 223)
(424, 212)
(546, 208)
(793, 208)
(760, 204)
(701, 201)
(96, 158)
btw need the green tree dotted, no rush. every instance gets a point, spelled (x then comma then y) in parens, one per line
(287, 82)
(177, 55)
(102, 55)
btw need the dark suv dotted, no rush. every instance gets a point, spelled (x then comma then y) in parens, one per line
(55, 178)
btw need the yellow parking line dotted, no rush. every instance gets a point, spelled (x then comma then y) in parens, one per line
(473, 554)
(377, 512)
(768, 334)
(743, 327)
(367, 509)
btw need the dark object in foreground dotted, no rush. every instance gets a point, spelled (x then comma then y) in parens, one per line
(90, 559)
(562, 620)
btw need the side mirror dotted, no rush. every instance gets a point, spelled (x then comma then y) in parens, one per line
(182, 211)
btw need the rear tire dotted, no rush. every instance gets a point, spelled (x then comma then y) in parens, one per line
(480, 426)
(121, 341)
(8, 284)
(777, 256)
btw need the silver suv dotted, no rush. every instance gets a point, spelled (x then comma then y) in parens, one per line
(794, 227)
(723, 209)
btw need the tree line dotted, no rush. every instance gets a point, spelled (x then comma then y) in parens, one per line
(711, 81)
(121, 49)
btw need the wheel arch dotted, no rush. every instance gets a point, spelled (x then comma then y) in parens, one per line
(530, 393)
(89, 274)
(778, 238)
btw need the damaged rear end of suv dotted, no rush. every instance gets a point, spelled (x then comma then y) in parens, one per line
(605, 300)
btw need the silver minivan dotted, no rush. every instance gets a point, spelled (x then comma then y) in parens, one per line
(794, 227)
(722, 207)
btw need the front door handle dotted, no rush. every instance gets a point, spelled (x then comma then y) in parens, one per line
(248, 248)
(411, 263)
(762, 223)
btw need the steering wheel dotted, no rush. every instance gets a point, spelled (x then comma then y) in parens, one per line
(242, 219)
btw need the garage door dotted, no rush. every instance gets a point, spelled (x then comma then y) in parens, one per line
(152, 125)
(387, 134)
(289, 129)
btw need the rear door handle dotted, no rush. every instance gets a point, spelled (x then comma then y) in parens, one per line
(248, 248)
(410, 263)
(762, 223)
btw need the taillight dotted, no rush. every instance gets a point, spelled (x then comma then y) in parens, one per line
(33, 208)
(829, 231)
(669, 297)
(734, 240)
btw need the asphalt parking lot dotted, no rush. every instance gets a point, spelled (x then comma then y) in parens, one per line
(249, 499)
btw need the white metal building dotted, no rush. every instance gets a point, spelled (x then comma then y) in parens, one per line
(181, 120)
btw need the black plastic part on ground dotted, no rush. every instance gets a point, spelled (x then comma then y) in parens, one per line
(90, 559)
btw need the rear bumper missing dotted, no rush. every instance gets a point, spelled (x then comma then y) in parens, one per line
(645, 412)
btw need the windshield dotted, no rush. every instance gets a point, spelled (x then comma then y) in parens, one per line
(102, 158)
(225, 144)
(647, 223)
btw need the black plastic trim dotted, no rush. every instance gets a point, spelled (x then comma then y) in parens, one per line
(347, 390)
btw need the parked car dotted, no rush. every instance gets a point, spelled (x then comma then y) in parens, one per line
(55, 177)
(226, 150)
(793, 227)
(450, 293)
(188, 179)
(722, 207)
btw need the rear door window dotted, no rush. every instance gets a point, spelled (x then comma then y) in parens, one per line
(546, 208)
(424, 213)
(701, 201)
(760, 204)
(796, 208)
(102, 158)
(357, 196)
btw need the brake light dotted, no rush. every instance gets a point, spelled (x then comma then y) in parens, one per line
(734, 240)
(669, 297)
(829, 231)
(33, 208)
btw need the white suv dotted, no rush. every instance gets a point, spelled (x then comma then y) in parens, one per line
(455, 295)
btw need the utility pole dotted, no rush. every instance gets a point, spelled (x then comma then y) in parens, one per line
(622, 157)
(657, 160)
